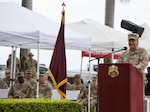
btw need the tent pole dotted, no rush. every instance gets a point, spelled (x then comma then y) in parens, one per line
(81, 66)
(89, 82)
(37, 93)
(14, 65)
(11, 70)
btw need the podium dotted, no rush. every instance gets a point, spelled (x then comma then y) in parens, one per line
(120, 88)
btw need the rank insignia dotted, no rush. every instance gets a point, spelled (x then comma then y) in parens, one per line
(113, 71)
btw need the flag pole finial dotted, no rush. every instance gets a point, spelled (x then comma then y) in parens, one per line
(63, 5)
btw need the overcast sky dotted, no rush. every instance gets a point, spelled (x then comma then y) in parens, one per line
(136, 11)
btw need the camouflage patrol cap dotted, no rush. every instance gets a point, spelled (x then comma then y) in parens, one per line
(30, 54)
(20, 74)
(94, 78)
(77, 76)
(42, 73)
(133, 36)
(29, 71)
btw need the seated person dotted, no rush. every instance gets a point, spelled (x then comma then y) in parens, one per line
(20, 89)
(45, 87)
(147, 87)
(77, 85)
(7, 77)
(68, 86)
(93, 94)
(3, 84)
(29, 79)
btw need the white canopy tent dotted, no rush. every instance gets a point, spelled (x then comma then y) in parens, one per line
(24, 28)
(103, 37)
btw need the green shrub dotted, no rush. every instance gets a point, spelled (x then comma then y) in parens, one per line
(39, 105)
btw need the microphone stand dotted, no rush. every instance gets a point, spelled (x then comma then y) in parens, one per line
(98, 58)
(113, 52)
(112, 57)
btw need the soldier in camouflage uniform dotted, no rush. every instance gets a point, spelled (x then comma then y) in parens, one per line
(3, 85)
(20, 89)
(29, 79)
(8, 63)
(45, 87)
(68, 86)
(137, 56)
(93, 94)
(31, 64)
(7, 78)
(77, 85)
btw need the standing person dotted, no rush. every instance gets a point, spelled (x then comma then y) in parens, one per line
(137, 56)
(147, 87)
(31, 64)
(8, 63)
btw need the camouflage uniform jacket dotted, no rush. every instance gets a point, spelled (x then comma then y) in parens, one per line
(68, 86)
(19, 90)
(32, 83)
(7, 81)
(94, 90)
(82, 88)
(45, 90)
(17, 64)
(3, 84)
(137, 58)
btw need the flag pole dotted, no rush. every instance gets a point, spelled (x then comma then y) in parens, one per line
(11, 69)
(63, 5)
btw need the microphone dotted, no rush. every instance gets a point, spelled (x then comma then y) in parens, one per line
(124, 48)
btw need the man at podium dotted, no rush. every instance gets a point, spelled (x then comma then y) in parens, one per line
(136, 56)
(121, 85)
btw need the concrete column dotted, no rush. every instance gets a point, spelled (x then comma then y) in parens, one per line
(24, 52)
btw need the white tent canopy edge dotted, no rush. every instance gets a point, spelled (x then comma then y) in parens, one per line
(17, 21)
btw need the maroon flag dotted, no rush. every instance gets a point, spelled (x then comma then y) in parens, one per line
(57, 68)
